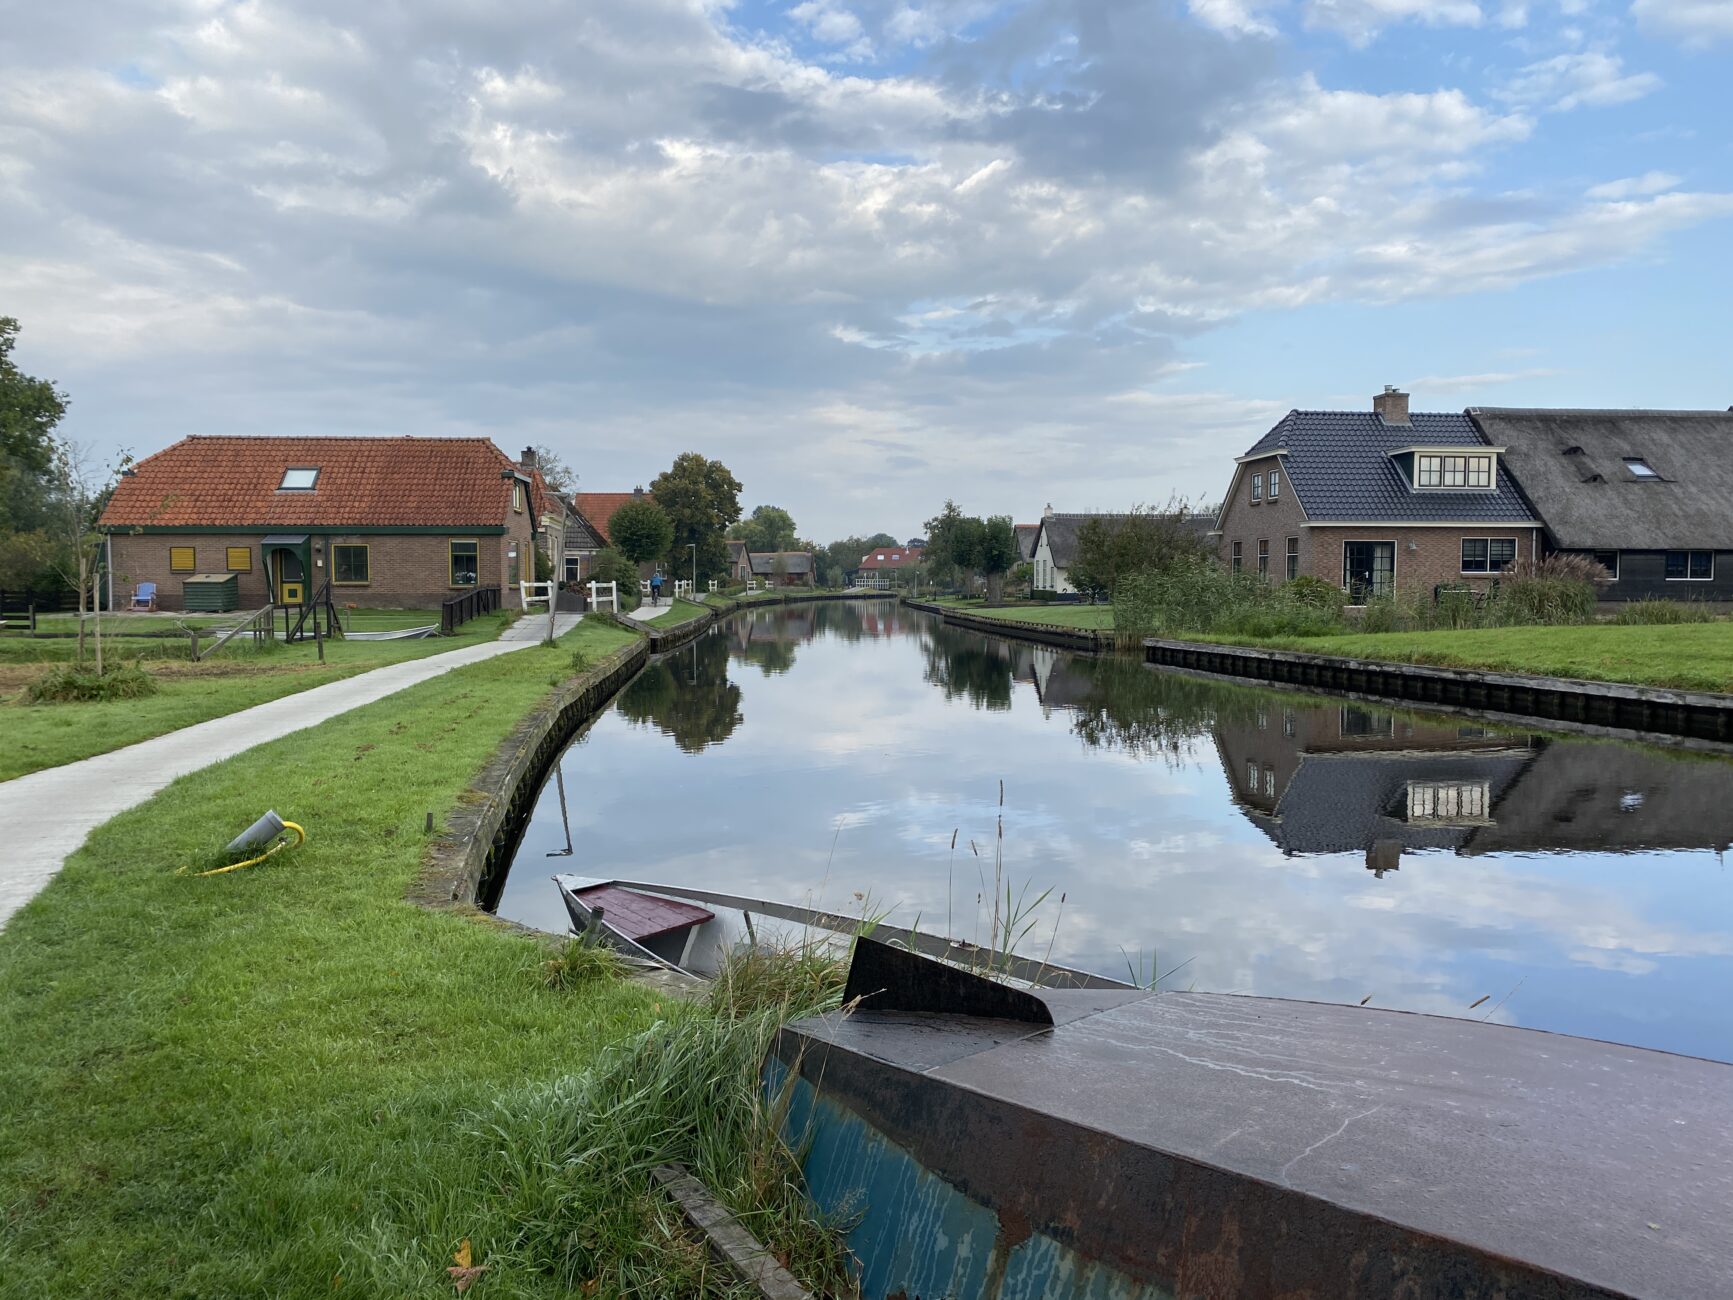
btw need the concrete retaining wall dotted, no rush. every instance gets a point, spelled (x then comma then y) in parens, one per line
(1069, 638)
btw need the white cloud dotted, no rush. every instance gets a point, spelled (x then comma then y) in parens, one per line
(1237, 17)
(1361, 20)
(1589, 79)
(1635, 186)
(1474, 383)
(1696, 22)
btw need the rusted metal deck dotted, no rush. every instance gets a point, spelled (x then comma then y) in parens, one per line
(1202, 1145)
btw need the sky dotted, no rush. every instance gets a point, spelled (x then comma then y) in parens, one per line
(869, 253)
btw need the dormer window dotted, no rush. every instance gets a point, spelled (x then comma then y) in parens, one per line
(1640, 468)
(1433, 470)
(299, 480)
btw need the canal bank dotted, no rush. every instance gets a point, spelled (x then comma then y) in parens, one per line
(1081, 639)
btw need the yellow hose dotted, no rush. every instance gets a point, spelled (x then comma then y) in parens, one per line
(300, 838)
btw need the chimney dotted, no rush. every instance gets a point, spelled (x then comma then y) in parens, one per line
(1047, 511)
(528, 460)
(1391, 405)
(637, 494)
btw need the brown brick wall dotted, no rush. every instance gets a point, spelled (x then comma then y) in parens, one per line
(406, 570)
(1435, 557)
(1271, 521)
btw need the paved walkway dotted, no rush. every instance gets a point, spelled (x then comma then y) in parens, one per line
(645, 612)
(46, 815)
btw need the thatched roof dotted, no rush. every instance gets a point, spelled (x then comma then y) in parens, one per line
(1574, 468)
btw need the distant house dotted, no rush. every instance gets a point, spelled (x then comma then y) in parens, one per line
(397, 522)
(784, 568)
(1055, 547)
(888, 566)
(739, 560)
(1027, 535)
(594, 510)
(1646, 493)
(1376, 501)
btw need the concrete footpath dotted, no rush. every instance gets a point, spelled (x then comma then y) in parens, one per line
(45, 816)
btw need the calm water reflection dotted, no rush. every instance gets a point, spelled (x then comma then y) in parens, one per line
(1275, 844)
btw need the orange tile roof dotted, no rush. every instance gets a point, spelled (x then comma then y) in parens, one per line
(892, 557)
(598, 507)
(224, 481)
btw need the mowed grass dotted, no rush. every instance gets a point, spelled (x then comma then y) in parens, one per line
(238, 677)
(260, 1084)
(1691, 656)
(1097, 618)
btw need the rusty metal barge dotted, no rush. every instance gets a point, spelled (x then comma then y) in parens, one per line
(1101, 1144)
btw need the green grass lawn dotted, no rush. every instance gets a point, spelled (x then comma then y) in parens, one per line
(47, 735)
(259, 1084)
(1090, 617)
(1691, 656)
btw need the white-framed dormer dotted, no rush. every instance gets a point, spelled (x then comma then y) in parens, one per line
(1450, 468)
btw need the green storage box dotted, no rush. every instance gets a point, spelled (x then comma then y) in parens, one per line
(212, 593)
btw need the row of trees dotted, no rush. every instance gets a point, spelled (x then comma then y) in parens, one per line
(962, 546)
(52, 492)
(682, 525)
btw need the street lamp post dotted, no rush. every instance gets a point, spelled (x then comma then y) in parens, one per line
(693, 547)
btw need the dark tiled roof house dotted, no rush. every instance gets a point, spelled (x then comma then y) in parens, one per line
(1646, 493)
(1376, 501)
(398, 522)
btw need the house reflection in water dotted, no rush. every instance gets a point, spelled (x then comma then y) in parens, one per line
(1353, 779)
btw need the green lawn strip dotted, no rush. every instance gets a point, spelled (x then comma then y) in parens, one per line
(1693, 656)
(256, 1084)
(47, 735)
(1089, 617)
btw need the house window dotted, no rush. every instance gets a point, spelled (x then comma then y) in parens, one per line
(1608, 560)
(573, 565)
(1690, 566)
(1252, 775)
(513, 573)
(1352, 722)
(1270, 782)
(299, 480)
(1263, 557)
(1487, 554)
(1239, 556)
(1257, 488)
(1640, 468)
(465, 564)
(1293, 558)
(351, 566)
(1440, 471)
(1448, 801)
(240, 559)
(1275, 484)
(1368, 569)
(182, 559)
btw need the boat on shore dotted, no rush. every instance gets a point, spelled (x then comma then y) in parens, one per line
(696, 930)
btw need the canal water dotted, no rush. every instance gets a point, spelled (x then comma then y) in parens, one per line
(1222, 838)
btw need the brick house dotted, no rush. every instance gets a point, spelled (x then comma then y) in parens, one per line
(1376, 502)
(888, 566)
(391, 522)
(784, 568)
(589, 536)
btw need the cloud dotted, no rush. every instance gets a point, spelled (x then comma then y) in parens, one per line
(1474, 383)
(1361, 20)
(1635, 186)
(1696, 22)
(1237, 17)
(1589, 79)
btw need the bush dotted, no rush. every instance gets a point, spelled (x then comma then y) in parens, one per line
(611, 566)
(1315, 592)
(1656, 610)
(1383, 614)
(74, 683)
(581, 962)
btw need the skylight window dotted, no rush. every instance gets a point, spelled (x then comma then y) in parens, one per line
(1639, 467)
(298, 480)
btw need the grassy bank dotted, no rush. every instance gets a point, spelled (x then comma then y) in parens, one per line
(1097, 618)
(1697, 656)
(47, 735)
(260, 1084)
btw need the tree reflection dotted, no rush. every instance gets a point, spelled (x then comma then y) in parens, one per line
(1123, 705)
(968, 665)
(687, 695)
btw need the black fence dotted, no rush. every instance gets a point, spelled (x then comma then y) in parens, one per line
(22, 606)
(457, 611)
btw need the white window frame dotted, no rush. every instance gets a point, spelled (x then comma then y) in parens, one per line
(1618, 557)
(310, 485)
(1441, 470)
(1395, 562)
(1293, 557)
(1488, 571)
(1257, 489)
(1709, 577)
(1275, 484)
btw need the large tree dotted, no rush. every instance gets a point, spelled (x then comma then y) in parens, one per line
(1111, 548)
(641, 531)
(30, 409)
(767, 528)
(703, 500)
(961, 545)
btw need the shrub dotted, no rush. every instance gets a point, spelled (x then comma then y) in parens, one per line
(1315, 592)
(1382, 614)
(1565, 566)
(74, 683)
(1537, 599)
(581, 962)
(1656, 610)
(611, 566)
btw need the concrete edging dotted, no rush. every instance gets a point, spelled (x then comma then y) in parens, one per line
(1069, 638)
(1604, 707)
